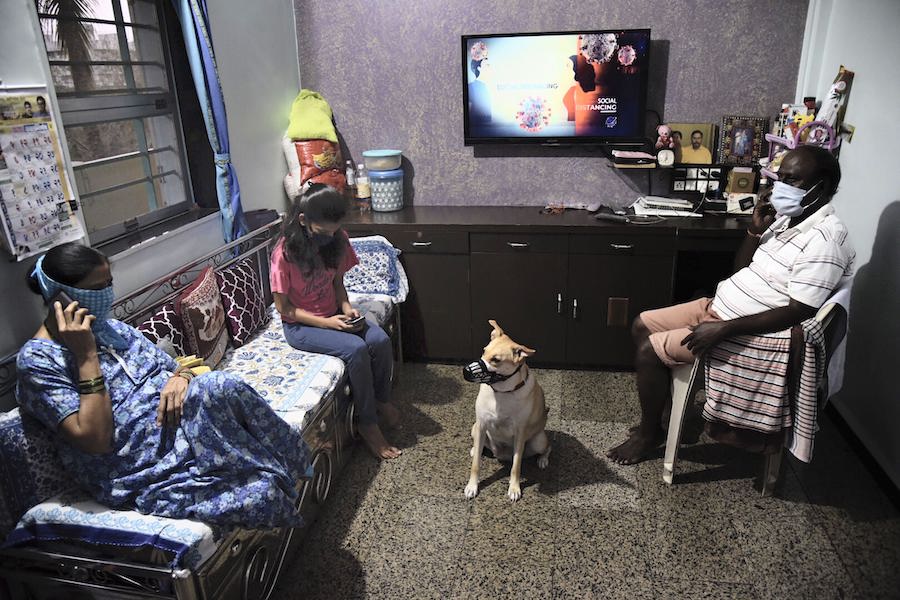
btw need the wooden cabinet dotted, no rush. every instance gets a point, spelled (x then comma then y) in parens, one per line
(435, 319)
(519, 280)
(565, 285)
(572, 298)
(611, 279)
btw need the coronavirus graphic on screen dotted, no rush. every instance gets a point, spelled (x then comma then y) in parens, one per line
(479, 51)
(533, 114)
(598, 47)
(627, 55)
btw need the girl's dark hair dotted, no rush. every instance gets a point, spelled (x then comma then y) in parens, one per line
(319, 204)
(67, 264)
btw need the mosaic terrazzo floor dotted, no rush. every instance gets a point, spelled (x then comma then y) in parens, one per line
(587, 528)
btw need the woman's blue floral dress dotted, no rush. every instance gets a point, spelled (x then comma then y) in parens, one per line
(231, 461)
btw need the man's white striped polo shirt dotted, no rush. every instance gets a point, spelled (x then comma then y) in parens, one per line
(806, 263)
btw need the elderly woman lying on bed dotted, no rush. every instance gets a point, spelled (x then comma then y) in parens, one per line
(136, 431)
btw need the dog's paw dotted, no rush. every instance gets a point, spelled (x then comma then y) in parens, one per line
(543, 461)
(471, 489)
(514, 492)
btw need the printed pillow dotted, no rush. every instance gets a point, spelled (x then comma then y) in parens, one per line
(200, 308)
(242, 297)
(379, 270)
(30, 469)
(165, 325)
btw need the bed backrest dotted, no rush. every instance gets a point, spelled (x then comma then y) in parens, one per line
(141, 304)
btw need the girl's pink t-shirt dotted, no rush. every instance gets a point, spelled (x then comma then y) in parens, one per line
(313, 293)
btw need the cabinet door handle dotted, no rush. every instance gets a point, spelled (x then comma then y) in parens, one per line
(574, 308)
(622, 246)
(421, 244)
(559, 304)
(517, 244)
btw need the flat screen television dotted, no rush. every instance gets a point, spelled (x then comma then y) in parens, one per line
(577, 87)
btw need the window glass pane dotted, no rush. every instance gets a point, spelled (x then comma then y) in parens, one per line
(87, 44)
(170, 186)
(142, 12)
(101, 140)
(114, 207)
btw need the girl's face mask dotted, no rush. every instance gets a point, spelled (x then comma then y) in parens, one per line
(787, 199)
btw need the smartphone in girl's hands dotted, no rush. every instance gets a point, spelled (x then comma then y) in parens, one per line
(356, 323)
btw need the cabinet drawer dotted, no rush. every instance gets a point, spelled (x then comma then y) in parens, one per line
(514, 242)
(437, 242)
(646, 245)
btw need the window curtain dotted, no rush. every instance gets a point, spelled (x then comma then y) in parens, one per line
(194, 19)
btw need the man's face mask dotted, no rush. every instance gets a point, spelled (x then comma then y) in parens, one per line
(478, 372)
(786, 199)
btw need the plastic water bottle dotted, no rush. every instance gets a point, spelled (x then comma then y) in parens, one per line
(363, 190)
(350, 173)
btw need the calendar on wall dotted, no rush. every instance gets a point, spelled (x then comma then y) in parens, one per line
(37, 204)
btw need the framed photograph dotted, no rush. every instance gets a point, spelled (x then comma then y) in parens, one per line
(695, 143)
(742, 140)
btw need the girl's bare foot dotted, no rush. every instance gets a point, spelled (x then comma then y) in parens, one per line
(374, 439)
(390, 415)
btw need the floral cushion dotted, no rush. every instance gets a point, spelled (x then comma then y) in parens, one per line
(242, 298)
(293, 381)
(200, 308)
(379, 270)
(165, 324)
(30, 469)
(74, 516)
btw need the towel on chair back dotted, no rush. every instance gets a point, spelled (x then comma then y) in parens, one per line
(747, 385)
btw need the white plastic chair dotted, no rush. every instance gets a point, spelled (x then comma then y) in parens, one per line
(688, 379)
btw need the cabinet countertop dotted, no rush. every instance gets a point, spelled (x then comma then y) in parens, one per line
(506, 218)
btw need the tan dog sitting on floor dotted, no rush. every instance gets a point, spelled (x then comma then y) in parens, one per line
(509, 413)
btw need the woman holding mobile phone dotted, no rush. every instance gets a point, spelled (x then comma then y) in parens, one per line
(137, 431)
(307, 280)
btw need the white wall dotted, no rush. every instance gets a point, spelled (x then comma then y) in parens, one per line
(862, 36)
(256, 52)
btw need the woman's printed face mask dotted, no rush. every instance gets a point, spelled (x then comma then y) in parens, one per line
(98, 302)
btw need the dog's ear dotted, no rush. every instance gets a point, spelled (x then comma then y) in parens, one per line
(521, 352)
(497, 332)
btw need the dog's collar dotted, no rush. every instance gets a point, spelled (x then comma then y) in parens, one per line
(519, 385)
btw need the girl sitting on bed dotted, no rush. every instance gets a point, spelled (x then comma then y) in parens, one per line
(138, 432)
(307, 280)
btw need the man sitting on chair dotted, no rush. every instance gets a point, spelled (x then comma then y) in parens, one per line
(795, 253)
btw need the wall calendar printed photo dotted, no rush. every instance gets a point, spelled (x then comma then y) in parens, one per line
(36, 201)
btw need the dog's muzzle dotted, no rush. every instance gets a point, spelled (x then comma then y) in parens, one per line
(477, 372)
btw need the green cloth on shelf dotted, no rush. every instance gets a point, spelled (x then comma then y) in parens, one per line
(311, 118)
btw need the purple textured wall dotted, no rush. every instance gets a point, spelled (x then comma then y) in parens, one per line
(391, 71)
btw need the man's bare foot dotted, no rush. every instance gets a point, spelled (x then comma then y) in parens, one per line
(390, 415)
(374, 439)
(635, 448)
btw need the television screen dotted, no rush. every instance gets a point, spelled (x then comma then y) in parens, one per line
(565, 87)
